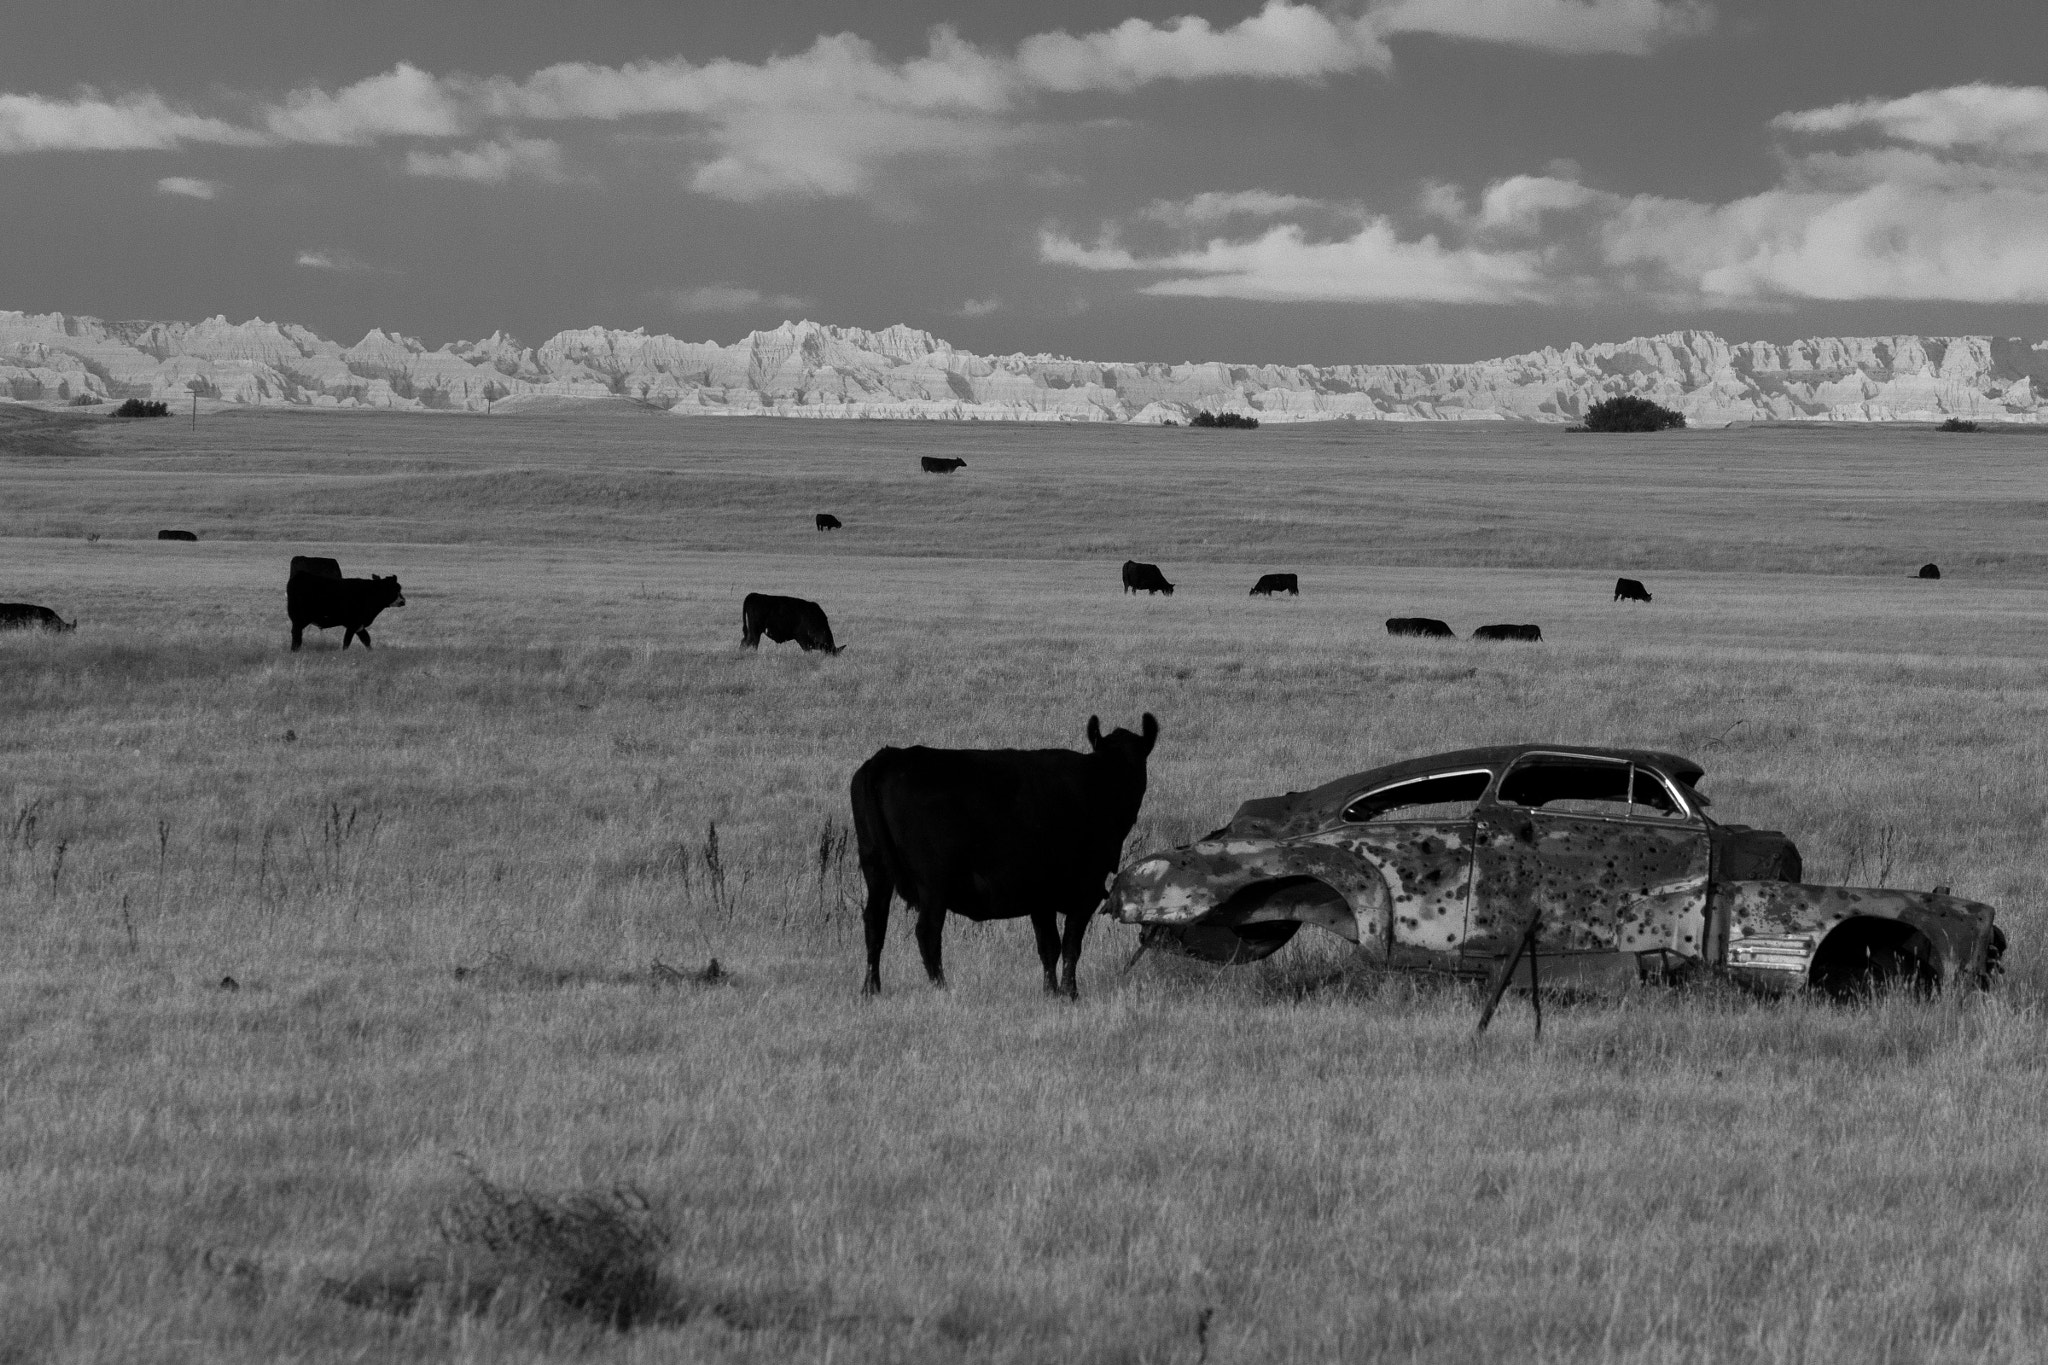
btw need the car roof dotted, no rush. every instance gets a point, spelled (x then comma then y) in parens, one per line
(1276, 811)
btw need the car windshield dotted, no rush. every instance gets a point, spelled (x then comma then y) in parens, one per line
(1561, 784)
(1442, 796)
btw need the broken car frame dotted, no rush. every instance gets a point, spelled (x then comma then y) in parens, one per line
(1443, 863)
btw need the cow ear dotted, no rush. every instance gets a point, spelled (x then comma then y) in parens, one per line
(1149, 727)
(1095, 732)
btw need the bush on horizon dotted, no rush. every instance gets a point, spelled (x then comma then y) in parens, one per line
(1629, 412)
(142, 407)
(1224, 419)
(1956, 424)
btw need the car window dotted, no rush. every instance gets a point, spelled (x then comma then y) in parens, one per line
(1561, 785)
(1445, 796)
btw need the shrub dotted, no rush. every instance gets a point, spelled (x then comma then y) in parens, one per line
(1224, 419)
(86, 400)
(142, 407)
(1956, 424)
(1631, 413)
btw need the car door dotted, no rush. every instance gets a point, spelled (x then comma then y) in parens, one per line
(1418, 833)
(1605, 849)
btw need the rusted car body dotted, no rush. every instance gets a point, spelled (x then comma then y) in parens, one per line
(1441, 863)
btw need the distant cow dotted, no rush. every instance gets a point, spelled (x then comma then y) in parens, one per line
(1145, 578)
(1930, 571)
(316, 565)
(351, 603)
(1270, 583)
(939, 464)
(1427, 626)
(1533, 633)
(782, 619)
(28, 616)
(176, 535)
(827, 522)
(1630, 590)
(997, 834)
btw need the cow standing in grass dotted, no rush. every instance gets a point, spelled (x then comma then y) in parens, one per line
(29, 616)
(351, 603)
(1630, 590)
(997, 834)
(1145, 578)
(782, 619)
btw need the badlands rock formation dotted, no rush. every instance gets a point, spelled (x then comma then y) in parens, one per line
(806, 369)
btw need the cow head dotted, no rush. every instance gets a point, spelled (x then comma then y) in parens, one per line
(1122, 743)
(397, 594)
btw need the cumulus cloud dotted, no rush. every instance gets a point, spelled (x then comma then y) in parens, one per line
(838, 118)
(492, 163)
(140, 122)
(728, 298)
(189, 187)
(980, 308)
(1876, 222)
(2003, 120)
(340, 261)
(1631, 27)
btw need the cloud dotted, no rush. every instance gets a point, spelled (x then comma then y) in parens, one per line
(140, 122)
(188, 187)
(1876, 222)
(492, 163)
(729, 298)
(980, 308)
(402, 102)
(1631, 27)
(2003, 120)
(1283, 41)
(336, 260)
(1216, 206)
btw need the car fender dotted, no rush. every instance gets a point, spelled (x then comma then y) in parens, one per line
(1775, 928)
(1220, 881)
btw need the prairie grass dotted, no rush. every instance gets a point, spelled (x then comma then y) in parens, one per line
(467, 886)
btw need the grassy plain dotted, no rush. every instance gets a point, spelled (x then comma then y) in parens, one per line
(444, 896)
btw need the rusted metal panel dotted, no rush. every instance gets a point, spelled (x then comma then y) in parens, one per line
(1601, 885)
(1776, 928)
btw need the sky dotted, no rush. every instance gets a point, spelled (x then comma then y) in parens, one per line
(1366, 181)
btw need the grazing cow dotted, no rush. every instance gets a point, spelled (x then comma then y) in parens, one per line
(997, 834)
(1930, 571)
(782, 619)
(1427, 626)
(1145, 578)
(28, 616)
(1630, 590)
(317, 565)
(176, 535)
(351, 603)
(828, 522)
(939, 464)
(1270, 583)
(1531, 633)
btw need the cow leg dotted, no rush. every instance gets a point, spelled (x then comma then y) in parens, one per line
(298, 633)
(1070, 952)
(348, 633)
(1045, 925)
(364, 636)
(929, 924)
(876, 919)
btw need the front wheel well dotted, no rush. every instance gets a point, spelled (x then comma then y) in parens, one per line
(1866, 954)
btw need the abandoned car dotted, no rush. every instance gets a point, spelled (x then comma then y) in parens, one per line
(1441, 864)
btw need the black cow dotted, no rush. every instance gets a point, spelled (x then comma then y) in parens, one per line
(1630, 590)
(176, 535)
(828, 522)
(351, 603)
(317, 565)
(939, 464)
(1427, 626)
(1270, 583)
(1145, 578)
(28, 616)
(782, 619)
(1532, 633)
(997, 834)
(1930, 571)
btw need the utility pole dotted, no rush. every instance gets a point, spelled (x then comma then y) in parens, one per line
(195, 409)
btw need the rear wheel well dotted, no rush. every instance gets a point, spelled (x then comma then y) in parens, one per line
(1863, 955)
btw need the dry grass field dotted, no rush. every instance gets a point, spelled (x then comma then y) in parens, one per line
(466, 884)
